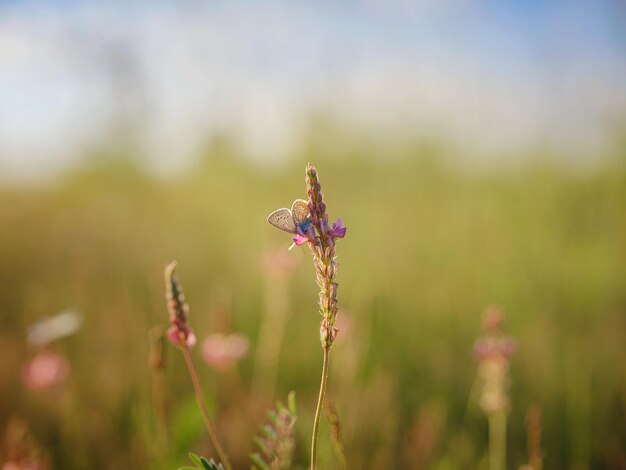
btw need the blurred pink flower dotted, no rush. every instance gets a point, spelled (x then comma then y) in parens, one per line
(17, 465)
(46, 370)
(493, 351)
(493, 343)
(220, 351)
(492, 319)
(487, 347)
(278, 263)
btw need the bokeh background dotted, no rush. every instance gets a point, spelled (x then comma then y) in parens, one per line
(476, 152)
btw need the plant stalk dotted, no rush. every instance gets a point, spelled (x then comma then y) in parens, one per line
(318, 411)
(497, 440)
(203, 410)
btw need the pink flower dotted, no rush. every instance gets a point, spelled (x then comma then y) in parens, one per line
(322, 243)
(20, 464)
(302, 237)
(277, 263)
(494, 344)
(46, 370)
(338, 231)
(221, 351)
(179, 332)
(181, 336)
(488, 347)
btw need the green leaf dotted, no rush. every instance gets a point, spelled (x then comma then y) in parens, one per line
(195, 459)
(268, 431)
(291, 402)
(257, 459)
(210, 465)
(276, 441)
(259, 442)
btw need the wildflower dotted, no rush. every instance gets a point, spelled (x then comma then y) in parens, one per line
(490, 347)
(20, 451)
(303, 237)
(179, 333)
(321, 240)
(338, 230)
(277, 264)
(46, 370)
(221, 351)
(308, 221)
(493, 351)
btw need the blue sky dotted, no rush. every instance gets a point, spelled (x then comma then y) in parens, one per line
(497, 76)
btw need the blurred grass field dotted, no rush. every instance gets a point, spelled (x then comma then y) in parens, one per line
(430, 245)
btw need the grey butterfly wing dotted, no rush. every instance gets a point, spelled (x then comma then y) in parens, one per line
(300, 212)
(282, 219)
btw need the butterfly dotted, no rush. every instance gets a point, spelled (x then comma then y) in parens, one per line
(290, 220)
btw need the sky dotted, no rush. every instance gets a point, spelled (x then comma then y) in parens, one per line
(497, 77)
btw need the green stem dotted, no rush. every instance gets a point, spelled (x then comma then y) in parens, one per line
(497, 440)
(203, 410)
(318, 411)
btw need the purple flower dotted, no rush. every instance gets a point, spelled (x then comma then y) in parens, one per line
(321, 239)
(338, 230)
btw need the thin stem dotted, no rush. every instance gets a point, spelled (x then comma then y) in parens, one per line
(335, 425)
(203, 410)
(318, 411)
(497, 440)
(158, 402)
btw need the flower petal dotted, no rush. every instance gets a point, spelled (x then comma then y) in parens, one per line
(181, 336)
(338, 230)
(300, 240)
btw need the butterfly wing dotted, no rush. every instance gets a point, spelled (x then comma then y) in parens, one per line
(300, 213)
(282, 219)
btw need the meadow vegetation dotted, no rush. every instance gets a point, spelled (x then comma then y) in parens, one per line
(431, 243)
